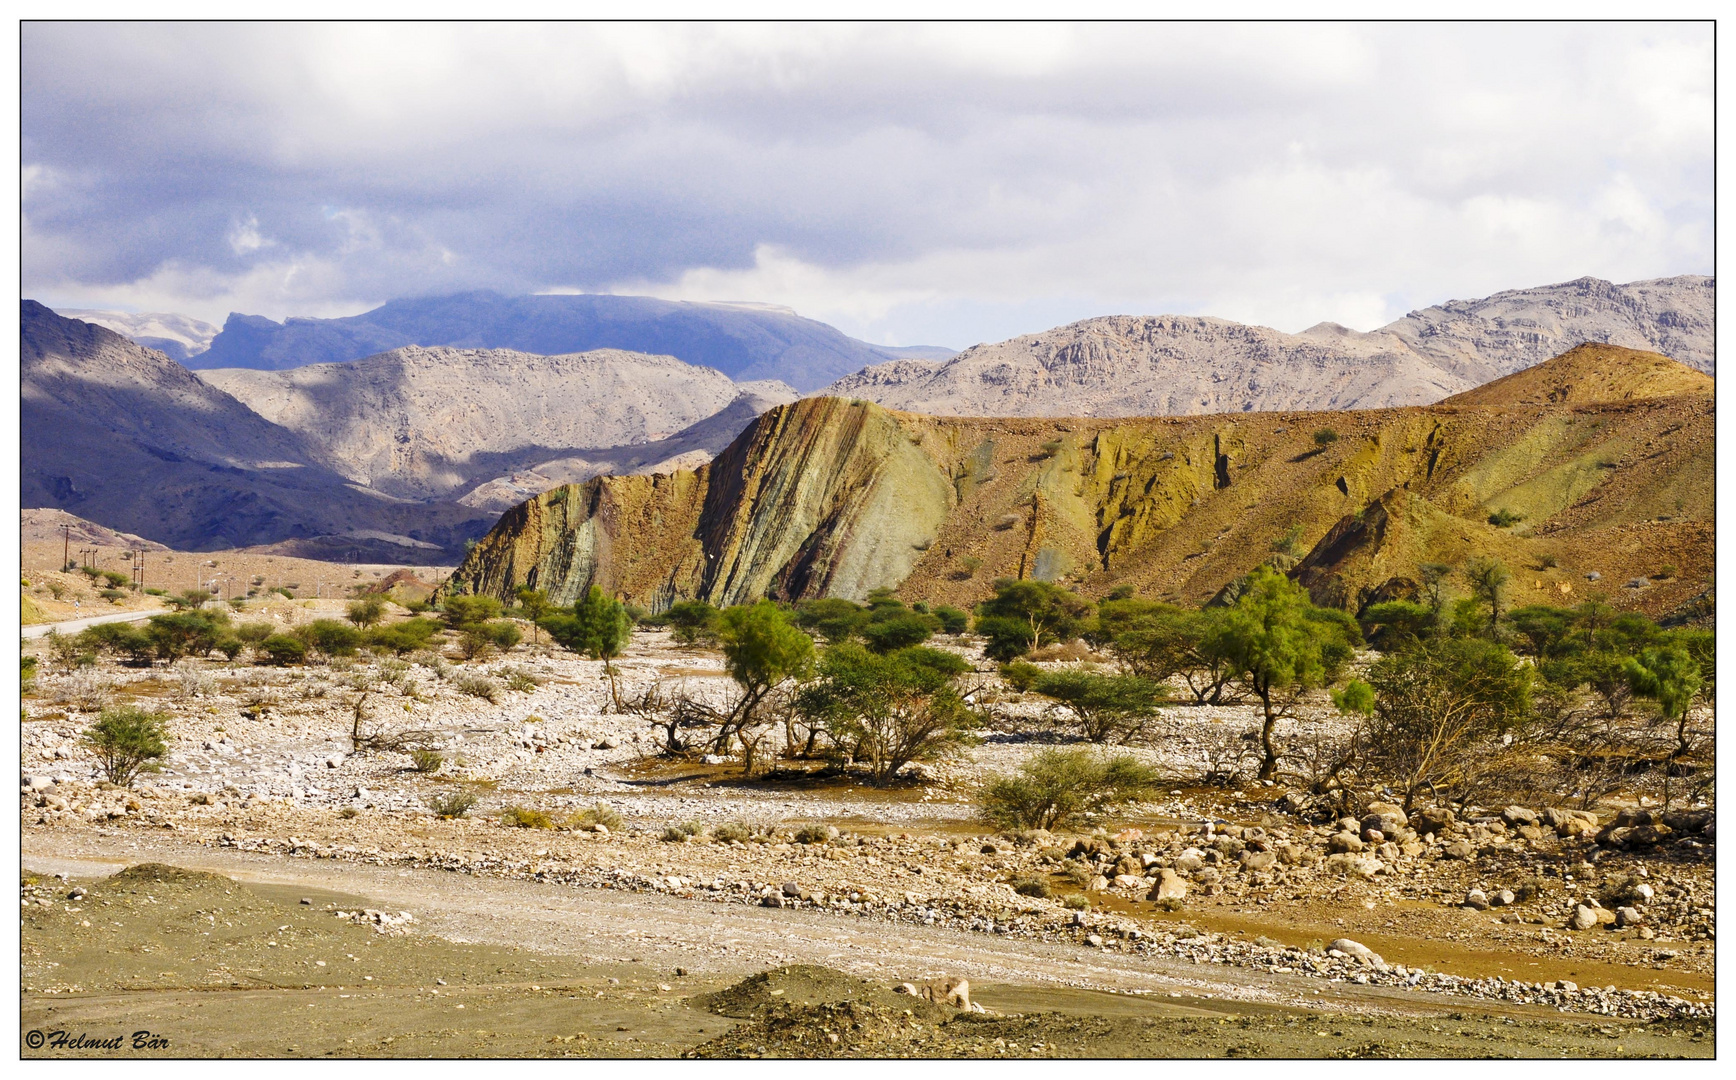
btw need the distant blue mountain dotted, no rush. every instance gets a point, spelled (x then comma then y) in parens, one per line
(743, 341)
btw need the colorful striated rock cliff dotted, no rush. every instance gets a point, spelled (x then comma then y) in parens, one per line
(1599, 462)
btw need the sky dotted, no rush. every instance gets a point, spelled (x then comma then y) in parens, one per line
(935, 184)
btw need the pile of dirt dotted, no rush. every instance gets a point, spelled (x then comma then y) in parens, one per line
(864, 1031)
(799, 987)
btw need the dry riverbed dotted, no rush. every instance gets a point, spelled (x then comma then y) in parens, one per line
(265, 785)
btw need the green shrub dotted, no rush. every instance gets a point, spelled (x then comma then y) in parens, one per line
(148, 592)
(522, 681)
(116, 579)
(1108, 707)
(524, 817)
(479, 686)
(692, 622)
(813, 834)
(331, 637)
(1028, 614)
(452, 804)
(113, 596)
(833, 618)
(1325, 437)
(1021, 675)
(401, 638)
(1075, 902)
(252, 633)
(462, 611)
(1032, 886)
(229, 645)
(127, 740)
(600, 814)
(27, 673)
(186, 633)
(731, 832)
(425, 759)
(282, 650)
(674, 834)
(1504, 518)
(117, 639)
(899, 632)
(1055, 787)
(483, 638)
(952, 620)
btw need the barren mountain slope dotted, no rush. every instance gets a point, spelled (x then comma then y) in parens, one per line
(123, 436)
(745, 341)
(1590, 373)
(1515, 329)
(1167, 365)
(829, 497)
(426, 423)
(1175, 365)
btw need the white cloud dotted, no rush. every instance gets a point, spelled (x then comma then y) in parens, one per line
(940, 182)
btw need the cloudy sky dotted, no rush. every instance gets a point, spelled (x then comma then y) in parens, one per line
(939, 184)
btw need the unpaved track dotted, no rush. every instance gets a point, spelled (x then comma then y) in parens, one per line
(610, 927)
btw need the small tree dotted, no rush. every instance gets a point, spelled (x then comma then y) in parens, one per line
(1670, 677)
(692, 622)
(1054, 788)
(127, 740)
(889, 710)
(462, 611)
(536, 607)
(1026, 614)
(1325, 437)
(1488, 580)
(1282, 645)
(367, 611)
(1108, 707)
(1438, 707)
(761, 651)
(598, 627)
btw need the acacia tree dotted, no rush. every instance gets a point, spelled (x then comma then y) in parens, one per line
(889, 709)
(1026, 614)
(598, 627)
(536, 607)
(761, 650)
(1281, 646)
(1670, 677)
(1108, 707)
(1439, 708)
(1488, 580)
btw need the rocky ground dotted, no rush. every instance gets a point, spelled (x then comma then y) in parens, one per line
(1517, 908)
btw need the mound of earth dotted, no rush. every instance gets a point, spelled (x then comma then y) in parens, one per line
(802, 987)
(858, 1030)
(1590, 373)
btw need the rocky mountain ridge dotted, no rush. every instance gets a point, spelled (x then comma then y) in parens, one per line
(834, 497)
(121, 435)
(747, 342)
(1183, 365)
(428, 423)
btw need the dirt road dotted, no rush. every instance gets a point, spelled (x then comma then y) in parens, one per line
(608, 927)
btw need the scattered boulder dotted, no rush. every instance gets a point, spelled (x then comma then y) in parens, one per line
(1358, 951)
(1477, 900)
(1170, 886)
(1435, 820)
(1502, 898)
(1569, 823)
(1516, 816)
(1191, 861)
(1459, 849)
(1344, 842)
(1389, 818)
(1255, 861)
(1628, 916)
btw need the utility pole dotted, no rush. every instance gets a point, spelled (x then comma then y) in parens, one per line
(65, 548)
